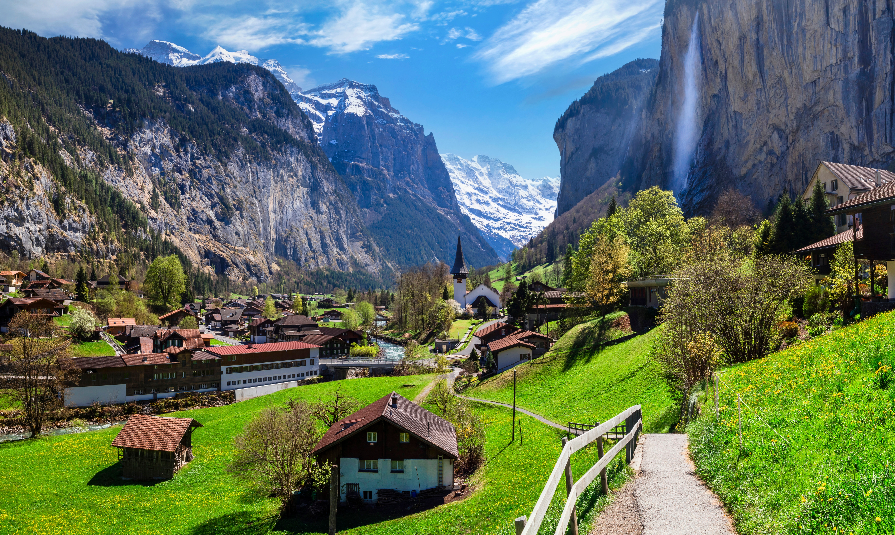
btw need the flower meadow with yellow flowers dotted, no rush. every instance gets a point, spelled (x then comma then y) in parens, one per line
(818, 436)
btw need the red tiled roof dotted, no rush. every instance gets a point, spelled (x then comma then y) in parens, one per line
(121, 322)
(528, 334)
(881, 195)
(490, 329)
(317, 339)
(259, 348)
(9, 273)
(175, 312)
(506, 343)
(843, 237)
(416, 420)
(158, 433)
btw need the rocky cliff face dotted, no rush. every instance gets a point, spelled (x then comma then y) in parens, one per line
(780, 86)
(507, 208)
(594, 134)
(396, 175)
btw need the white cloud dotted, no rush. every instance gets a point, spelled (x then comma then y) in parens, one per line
(461, 45)
(301, 76)
(80, 18)
(454, 33)
(443, 18)
(254, 33)
(472, 35)
(548, 32)
(360, 27)
(392, 56)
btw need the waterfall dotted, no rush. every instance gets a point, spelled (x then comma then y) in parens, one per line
(686, 132)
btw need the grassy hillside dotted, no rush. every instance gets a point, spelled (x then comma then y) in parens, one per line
(70, 484)
(585, 378)
(818, 424)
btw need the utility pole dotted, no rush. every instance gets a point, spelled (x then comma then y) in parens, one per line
(514, 406)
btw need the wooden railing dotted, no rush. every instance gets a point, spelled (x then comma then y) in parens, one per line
(633, 422)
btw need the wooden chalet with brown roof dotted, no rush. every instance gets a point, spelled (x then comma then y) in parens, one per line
(38, 306)
(841, 183)
(333, 341)
(154, 447)
(290, 328)
(175, 316)
(390, 445)
(118, 326)
(12, 280)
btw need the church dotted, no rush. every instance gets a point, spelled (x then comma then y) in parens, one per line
(480, 297)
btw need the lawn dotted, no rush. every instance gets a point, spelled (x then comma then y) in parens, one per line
(459, 328)
(69, 484)
(216, 342)
(92, 349)
(62, 321)
(818, 427)
(507, 487)
(587, 378)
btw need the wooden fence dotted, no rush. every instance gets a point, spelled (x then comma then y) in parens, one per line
(633, 422)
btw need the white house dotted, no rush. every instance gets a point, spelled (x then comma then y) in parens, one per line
(391, 444)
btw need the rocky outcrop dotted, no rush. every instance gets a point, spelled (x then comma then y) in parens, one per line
(781, 86)
(594, 134)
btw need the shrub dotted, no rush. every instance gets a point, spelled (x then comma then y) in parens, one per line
(818, 324)
(817, 300)
(789, 329)
(364, 352)
(83, 323)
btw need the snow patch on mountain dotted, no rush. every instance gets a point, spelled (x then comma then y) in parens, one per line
(507, 208)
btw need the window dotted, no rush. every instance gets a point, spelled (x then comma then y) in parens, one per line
(229, 370)
(834, 185)
(370, 465)
(372, 436)
(368, 494)
(404, 437)
(398, 466)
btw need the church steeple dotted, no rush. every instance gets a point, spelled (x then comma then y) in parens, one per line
(459, 271)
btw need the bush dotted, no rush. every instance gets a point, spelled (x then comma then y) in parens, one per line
(789, 329)
(83, 323)
(817, 300)
(364, 352)
(819, 323)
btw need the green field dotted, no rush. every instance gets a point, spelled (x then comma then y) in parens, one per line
(216, 342)
(586, 378)
(818, 424)
(92, 349)
(69, 484)
(459, 328)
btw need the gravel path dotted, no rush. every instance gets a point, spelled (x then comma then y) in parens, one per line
(666, 497)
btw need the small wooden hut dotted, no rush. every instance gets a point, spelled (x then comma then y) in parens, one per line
(154, 447)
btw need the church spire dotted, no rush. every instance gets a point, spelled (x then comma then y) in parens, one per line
(459, 270)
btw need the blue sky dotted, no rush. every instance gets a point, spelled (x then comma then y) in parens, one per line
(486, 77)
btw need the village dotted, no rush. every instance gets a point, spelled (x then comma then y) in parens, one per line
(422, 446)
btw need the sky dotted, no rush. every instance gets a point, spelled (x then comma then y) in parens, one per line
(489, 77)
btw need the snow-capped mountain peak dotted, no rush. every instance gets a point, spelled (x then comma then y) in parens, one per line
(169, 53)
(507, 208)
(220, 54)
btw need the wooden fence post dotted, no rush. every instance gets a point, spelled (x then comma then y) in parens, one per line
(603, 480)
(333, 497)
(520, 524)
(574, 519)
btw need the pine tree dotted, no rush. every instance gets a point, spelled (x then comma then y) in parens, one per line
(445, 294)
(821, 224)
(784, 222)
(81, 289)
(612, 208)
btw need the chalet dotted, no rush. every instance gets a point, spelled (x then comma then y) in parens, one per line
(175, 316)
(820, 254)
(154, 447)
(328, 303)
(390, 445)
(118, 326)
(14, 305)
(48, 284)
(12, 280)
(138, 338)
(332, 315)
(213, 318)
(142, 377)
(57, 295)
(508, 352)
(481, 297)
(261, 330)
(509, 345)
(104, 283)
(252, 311)
(173, 340)
(495, 331)
(38, 275)
(290, 328)
(842, 183)
(333, 342)
(231, 320)
(259, 364)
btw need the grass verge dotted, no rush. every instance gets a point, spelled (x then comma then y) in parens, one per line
(818, 421)
(588, 377)
(92, 349)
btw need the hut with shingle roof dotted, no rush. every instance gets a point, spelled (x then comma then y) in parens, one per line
(154, 447)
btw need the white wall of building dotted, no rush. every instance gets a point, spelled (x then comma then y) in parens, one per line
(232, 381)
(419, 474)
(482, 290)
(511, 356)
(460, 292)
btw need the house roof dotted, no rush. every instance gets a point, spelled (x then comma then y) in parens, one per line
(231, 314)
(252, 349)
(205, 355)
(506, 343)
(884, 194)
(857, 177)
(459, 264)
(529, 334)
(121, 322)
(407, 415)
(158, 433)
(10, 273)
(175, 312)
(93, 363)
(833, 241)
(141, 331)
(296, 319)
(142, 359)
(258, 321)
(318, 339)
(484, 331)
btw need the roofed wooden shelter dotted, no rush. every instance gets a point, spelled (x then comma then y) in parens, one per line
(154, 447)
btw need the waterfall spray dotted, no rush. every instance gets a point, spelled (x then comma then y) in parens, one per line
(685, 139)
